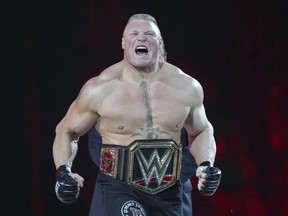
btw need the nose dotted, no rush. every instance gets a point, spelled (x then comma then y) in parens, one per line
(141, 37)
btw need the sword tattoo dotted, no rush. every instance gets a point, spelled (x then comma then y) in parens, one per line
(151, 133)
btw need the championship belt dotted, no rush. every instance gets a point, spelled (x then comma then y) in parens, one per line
(148, 165)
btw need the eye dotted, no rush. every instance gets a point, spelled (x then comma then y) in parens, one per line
(150, 33)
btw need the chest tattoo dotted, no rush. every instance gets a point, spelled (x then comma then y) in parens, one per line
(150, 131)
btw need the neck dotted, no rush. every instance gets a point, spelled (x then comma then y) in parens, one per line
(138, 73)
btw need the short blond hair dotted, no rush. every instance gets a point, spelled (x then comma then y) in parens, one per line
(140, 16)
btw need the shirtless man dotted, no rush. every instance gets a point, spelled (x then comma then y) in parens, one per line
(139, 106)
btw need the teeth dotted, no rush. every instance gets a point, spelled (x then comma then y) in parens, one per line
(141, 50)
(141, 47)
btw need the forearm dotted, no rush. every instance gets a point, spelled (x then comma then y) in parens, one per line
(74, 149)
(203, 146)
(62, 149)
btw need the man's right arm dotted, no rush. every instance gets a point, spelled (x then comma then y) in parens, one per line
(77, 121)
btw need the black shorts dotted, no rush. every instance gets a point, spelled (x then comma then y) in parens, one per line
(121, 199)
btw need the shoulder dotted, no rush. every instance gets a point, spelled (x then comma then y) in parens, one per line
(183, 80)
(190, 88)
(98, 87)
(105, 78)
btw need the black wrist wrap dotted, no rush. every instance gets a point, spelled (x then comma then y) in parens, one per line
(62, 170)
(205, 163)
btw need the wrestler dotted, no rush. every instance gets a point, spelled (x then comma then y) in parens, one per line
(139, 106)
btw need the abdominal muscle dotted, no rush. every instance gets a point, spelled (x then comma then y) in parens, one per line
(123, 135)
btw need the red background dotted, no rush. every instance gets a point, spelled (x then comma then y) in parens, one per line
(236, 49)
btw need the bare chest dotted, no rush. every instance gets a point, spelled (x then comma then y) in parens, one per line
(144, 109)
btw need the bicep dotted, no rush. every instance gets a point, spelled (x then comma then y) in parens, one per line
(78, 119)
(197, 120)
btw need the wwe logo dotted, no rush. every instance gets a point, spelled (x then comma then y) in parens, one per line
(155, 166)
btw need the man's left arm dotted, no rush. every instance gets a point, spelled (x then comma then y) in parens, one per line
(203, 148)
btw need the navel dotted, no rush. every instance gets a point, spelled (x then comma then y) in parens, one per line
(121, 127)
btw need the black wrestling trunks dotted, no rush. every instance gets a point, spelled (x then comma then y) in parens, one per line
(149, 165)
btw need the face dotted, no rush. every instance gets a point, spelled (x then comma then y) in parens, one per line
(141, 43)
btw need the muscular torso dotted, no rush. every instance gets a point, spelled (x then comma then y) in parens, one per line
(144, 109)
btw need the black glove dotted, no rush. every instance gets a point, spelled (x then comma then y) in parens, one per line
(66, 188)
(212, 180)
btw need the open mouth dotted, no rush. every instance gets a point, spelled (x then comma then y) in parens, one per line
(141, 50)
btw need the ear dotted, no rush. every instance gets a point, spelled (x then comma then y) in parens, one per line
(122, 43)
(162, 49)
(161, 46)
(161, 42)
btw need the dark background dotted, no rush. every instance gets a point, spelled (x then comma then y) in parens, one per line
(237, 50)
